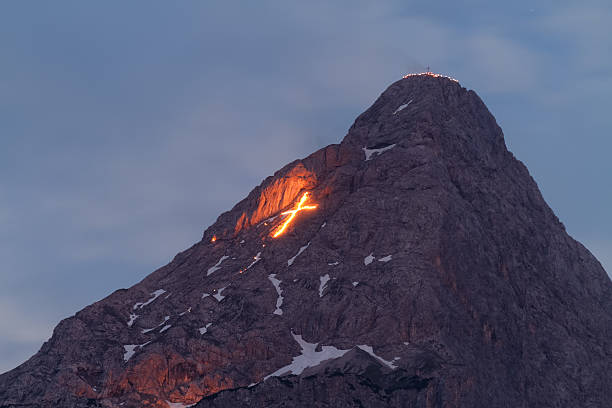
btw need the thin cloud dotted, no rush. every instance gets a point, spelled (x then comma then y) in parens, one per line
(585, 29)
(501, 64)
(603, 252)
(112, 171)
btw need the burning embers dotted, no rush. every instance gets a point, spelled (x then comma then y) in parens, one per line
(431, 74)
(300, 207)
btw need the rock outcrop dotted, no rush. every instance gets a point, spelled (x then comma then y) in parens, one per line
(430, 274)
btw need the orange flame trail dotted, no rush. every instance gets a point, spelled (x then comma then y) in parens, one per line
(299, 208)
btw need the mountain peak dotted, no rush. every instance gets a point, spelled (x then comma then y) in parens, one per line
(429, 110)
(427, 116)
(419, 240)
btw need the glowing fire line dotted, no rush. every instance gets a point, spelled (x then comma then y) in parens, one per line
(299, 208)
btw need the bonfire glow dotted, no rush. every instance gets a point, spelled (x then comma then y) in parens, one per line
(431, 74)
(213, 239)
(293, 213)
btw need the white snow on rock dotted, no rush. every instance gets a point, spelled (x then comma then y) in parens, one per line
(154, 295)
(302, 249)
(370, 351)
(256, 258)
(205, 295)
(133, 317)
(166, 327)
(333, 263)
(205, 328)
(368, 259)
(267, 220)
(218, 295)
(385, 258)
(370, 152)
(242, 242)
(216, 266)
(324, 224)
(355, 283)
(308, 358)
(403, 106)
(148, 330)
(324, 279)
(186, 311)
(178, 405)
(130, 350)
(279, 291)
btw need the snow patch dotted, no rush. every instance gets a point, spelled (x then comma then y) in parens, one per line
(302, 249)
(178, 405)
(279, 291)
(218, 295)
(333, 263)
(386, 258)
(370, 152)
(148, 330)
(401, 107)
(256, 258)
(205, 328)
(133, 317)
(166, 327)
(154, 295)
(186, 311)
(324, 279)
(370, 351)
(216, 266)
(355, 283)
(130, 350)
(308, 358)
(324, 224)
(368, 259)
(268, 220)
(205, 295)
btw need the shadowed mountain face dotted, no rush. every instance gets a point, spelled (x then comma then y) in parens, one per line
(427, 271)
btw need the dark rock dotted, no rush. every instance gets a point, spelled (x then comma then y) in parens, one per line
(356, 379)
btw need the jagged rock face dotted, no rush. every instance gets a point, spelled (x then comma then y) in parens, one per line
(430, 246)
(354, 380)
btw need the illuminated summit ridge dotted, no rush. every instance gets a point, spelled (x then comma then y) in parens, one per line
(431, 74)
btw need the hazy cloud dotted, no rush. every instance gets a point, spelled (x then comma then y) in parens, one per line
(602, 250)
(125, 134)
(22, 333)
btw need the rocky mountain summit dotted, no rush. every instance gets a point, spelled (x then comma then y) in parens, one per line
(415, 264)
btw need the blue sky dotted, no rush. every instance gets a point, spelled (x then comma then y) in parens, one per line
(127, 127)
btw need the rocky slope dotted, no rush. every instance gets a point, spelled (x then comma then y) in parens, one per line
(430, 274)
